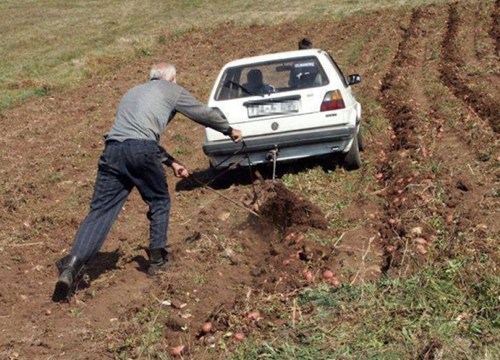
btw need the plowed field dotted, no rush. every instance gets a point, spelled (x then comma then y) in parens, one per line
(429, 188)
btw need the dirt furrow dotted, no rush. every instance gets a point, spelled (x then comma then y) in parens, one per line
(452, 74)
(401, 110)
(495, 27)
(432, 173)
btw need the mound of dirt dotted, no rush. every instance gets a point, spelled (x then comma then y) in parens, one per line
(287, 210)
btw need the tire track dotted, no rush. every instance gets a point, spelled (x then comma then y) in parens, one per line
(402, 116)
(451, 68)
(431, 191)
(495, 27)
(480, 33)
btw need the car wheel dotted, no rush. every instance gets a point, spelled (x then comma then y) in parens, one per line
(361, 140)
(352, 160)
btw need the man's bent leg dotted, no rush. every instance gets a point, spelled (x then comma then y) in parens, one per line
(110, 193)
(158, 215)
(153, 188)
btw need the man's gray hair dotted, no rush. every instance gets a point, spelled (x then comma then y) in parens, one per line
(163, 71)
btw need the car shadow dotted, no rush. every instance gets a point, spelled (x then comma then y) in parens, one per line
(223, 179)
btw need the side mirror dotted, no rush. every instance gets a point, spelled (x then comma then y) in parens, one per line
(353, 79)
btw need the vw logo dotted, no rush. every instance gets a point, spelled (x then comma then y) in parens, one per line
(275, 126)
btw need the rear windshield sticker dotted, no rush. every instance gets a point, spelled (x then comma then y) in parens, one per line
(307, 64)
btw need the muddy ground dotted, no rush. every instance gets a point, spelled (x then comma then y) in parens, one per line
(439, 96)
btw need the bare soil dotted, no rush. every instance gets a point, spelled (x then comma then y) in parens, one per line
(228, 263)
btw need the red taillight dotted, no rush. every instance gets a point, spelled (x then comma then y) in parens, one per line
(332, 101)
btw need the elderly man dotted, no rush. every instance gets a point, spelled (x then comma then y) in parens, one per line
(132, 158)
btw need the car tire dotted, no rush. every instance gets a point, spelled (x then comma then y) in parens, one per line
(361, 140)
(352, 160)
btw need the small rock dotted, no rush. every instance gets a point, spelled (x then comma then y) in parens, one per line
(210, 339)
(289, 237)
(421, 241)
(481, 227)
(390, 249)
(421, 249)
(254, 315)
(231, 256)
(224, 216)
(300, 237)
(416, 231)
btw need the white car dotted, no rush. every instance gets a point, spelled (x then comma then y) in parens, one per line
(288, 105)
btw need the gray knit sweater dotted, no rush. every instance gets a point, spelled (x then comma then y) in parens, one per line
(145, 111)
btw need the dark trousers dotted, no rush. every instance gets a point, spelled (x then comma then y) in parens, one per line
(123, 166)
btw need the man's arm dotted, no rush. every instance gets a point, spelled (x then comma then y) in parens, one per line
(166, 158)
(179, 169)
(189, 106)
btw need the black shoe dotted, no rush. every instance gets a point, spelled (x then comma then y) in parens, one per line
(70, 268)
(158, 261)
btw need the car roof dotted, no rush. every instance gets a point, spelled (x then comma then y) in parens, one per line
(274, 56)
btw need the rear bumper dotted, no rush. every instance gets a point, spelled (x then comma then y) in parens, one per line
(289, 146)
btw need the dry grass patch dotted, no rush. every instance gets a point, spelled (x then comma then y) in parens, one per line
(48, 45)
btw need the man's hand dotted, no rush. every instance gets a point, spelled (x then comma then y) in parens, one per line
(180, 170)
(236, 135)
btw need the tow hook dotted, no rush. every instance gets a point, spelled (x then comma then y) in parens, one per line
(271, 156)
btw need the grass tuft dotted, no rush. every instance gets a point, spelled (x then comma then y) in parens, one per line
(435, 310)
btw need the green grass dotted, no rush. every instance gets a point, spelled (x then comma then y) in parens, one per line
(396, 319)
(149, 323)
(51, 45)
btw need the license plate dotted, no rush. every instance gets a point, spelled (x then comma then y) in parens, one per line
(274, 108)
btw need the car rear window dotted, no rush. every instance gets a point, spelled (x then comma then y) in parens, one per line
(270, 77)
